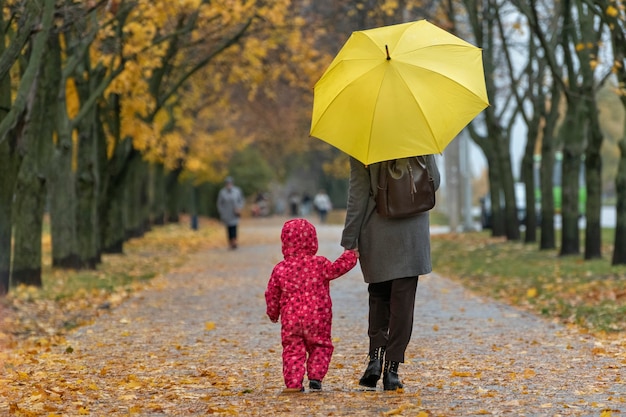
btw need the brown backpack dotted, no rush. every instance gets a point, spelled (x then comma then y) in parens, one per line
(405, 188)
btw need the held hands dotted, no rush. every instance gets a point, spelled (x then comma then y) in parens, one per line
(355, 251)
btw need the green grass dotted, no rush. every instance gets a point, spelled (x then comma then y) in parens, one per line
(588, 294)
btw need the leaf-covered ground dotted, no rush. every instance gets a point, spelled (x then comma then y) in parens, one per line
(590, 295)
(196, 341)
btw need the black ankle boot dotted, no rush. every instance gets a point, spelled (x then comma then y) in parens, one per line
(391, 380)
(374, 368)
(315, 385)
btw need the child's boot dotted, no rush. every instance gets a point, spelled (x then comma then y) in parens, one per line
(315, 385)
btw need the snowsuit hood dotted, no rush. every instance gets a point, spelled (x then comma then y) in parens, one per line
(299, 238)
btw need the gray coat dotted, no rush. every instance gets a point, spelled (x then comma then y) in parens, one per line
(229, 204)
(388, 248)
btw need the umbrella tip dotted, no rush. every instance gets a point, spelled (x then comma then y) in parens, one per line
(387, 50)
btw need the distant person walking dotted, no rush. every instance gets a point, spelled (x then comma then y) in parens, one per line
(305, 209)
(294, 203)
(229, 205)
(322, 204)
(298, 292)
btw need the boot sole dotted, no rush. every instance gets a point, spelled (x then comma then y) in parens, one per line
(370, 381)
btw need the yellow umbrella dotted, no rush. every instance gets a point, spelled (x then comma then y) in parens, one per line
(398, 91)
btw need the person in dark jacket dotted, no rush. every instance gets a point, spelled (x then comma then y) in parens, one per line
(393, 253)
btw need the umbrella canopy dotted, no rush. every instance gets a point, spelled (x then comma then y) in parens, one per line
(398, 91)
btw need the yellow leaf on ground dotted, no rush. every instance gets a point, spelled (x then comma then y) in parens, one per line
(209, 325)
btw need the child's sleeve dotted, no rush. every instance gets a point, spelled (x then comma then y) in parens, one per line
(272, 297)
(343, 264)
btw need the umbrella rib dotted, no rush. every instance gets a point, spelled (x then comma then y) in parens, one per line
(414, 98)
(436, 46)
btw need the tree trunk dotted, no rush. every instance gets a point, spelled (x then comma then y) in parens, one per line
(144, 199)
(546, 178)
(33, 63)
(30, 195)
(87, 186)
(546, 171)
(61, 179)
(173, 195)
(134, 218)
(113, 192)
(12, 125)
(573, 130)
(113, 236)
(63, 206)
(508, 186)
(528, 178)
(496, 197)
(9, 163)
(30, 199)
(619, 249)
(593, 179)
(157, 194)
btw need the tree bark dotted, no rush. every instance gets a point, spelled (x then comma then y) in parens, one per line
(157, 194)
(503, 153)
(62, 189)
(87, 187)
(9, 166)
(619, 249)
(46, 8)
(112, 198)
(13, 119)
(173, 196)
(135, 199)
(10, 161)
(528, 178)
(30, 195)
(30, 198)
(113, 236)
(546, 171)
(572, 131)
(593, 179)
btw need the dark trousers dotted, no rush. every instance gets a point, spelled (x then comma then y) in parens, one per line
(232, 232)
(391, 316)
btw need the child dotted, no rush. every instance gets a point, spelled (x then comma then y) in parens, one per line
(299, 292)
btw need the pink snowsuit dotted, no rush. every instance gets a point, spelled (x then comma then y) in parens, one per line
(299, 292)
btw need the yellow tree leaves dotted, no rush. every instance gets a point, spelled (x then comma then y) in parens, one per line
(177, 60)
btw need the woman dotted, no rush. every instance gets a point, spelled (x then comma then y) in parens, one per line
(393, 253)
